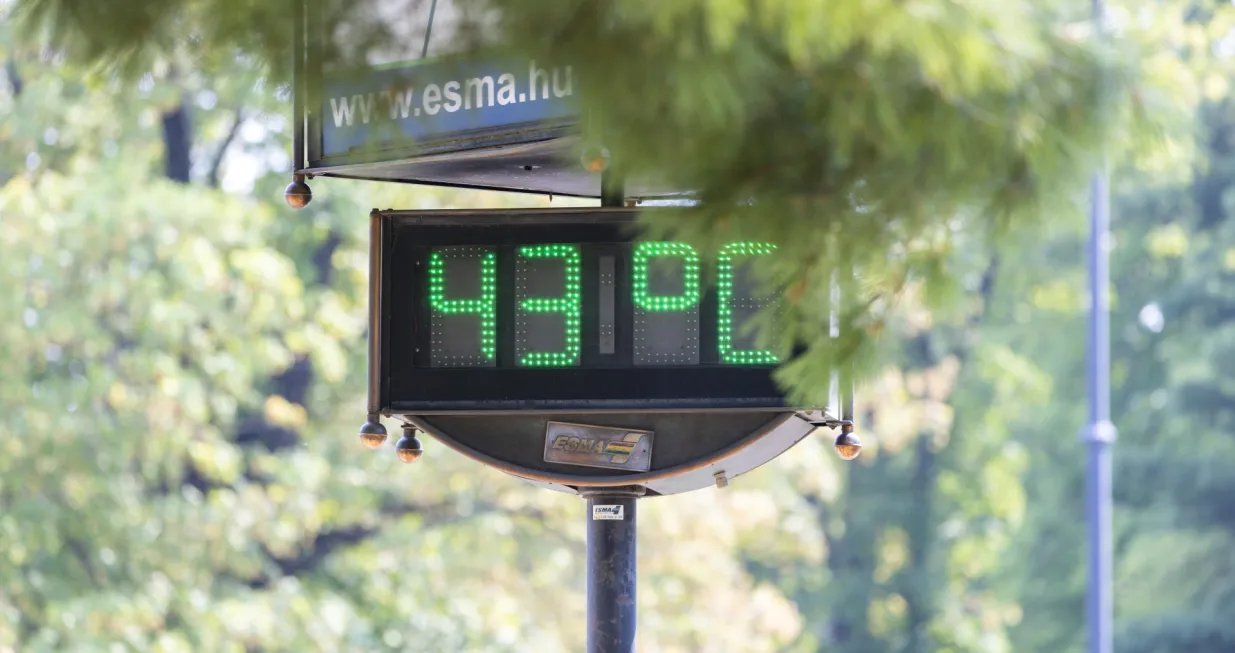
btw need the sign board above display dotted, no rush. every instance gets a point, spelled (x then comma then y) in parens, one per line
(488, 120)
(562, 310)
(434, 106)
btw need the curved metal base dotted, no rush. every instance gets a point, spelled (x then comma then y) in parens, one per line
(774, 437)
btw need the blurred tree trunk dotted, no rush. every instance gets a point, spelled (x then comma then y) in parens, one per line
(15, 82)
(920, 527)
(852, 559)
(177, 143)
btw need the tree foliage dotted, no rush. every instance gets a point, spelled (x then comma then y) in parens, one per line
(860, 137)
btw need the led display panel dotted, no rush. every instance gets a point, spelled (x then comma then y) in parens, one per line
(568, 309)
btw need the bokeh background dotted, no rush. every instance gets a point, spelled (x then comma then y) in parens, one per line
(182, 375)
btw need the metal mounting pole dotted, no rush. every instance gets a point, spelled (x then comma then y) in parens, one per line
(1100, 432)
(612, 190)
(298, 82)
(612, 565)
(612, 571)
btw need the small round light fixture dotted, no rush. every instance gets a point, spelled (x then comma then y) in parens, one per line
(594, 159)
(409, 448)
(847, 446)
(373, 434)
(298, 194)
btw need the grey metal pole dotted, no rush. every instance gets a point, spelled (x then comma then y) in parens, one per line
(1100, 433)
(612, 189)
(612, 565)
(298, 83)
(612, 571)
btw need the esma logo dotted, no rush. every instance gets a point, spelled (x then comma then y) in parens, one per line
(615, 513)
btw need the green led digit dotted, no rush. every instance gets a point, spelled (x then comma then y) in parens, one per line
(644, 299)
(484, 305)
(568, 304)
(725, 300)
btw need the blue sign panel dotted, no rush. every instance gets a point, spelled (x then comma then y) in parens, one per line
(422, 104)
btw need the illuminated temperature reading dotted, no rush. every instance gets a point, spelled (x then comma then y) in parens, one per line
(463, 296)
(548, 304)
(662, 327)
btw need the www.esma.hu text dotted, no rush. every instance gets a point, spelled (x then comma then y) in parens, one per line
(451, 96)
